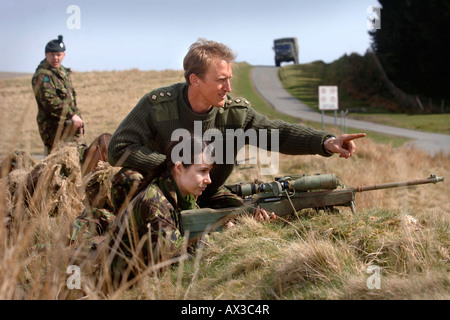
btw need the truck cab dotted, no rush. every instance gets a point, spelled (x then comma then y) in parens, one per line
(286, 50)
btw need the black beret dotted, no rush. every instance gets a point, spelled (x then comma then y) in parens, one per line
(56, 45)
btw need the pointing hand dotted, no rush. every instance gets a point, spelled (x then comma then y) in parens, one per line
(344, 145)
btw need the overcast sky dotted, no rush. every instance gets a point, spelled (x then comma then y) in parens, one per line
(155, 34)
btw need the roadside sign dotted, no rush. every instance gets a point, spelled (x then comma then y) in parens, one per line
(328, 98)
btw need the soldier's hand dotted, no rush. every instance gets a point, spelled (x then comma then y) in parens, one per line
(262, 215)
(344, 145)
(77, 124)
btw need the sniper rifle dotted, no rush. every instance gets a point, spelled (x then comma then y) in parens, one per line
(285, 195)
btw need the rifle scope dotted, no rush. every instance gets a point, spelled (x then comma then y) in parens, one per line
(299, 183)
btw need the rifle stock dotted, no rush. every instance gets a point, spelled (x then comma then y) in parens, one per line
(284, 196)
(197, 222)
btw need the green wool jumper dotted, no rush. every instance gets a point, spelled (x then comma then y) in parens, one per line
(142, 137)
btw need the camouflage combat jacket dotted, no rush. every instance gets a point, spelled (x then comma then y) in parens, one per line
(55, 97)
(153, 216)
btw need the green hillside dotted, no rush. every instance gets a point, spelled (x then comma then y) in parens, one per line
(362, 91)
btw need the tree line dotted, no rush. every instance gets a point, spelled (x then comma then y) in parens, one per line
(411, 45)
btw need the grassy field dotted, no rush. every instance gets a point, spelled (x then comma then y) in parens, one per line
(302, 82)
(104, 99)
(405, 233)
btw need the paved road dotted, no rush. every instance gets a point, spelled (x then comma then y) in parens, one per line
(267, 83)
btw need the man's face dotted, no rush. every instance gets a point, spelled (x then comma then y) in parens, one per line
(55, 58)
(215, 84)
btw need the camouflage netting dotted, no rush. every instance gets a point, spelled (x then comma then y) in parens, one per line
(55, 186)
(97, 186)
(16, 160)
(52, 186)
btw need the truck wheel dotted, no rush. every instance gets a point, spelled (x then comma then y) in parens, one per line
(277, 63)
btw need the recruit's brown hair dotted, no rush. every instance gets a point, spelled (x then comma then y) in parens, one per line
(195, 144)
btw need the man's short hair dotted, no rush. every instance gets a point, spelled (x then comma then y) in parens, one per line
(200, 54)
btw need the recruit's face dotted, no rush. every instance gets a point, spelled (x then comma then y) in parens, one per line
(216, 83)
(192, 179)
(55, 58)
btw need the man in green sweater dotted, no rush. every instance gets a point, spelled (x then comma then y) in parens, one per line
(140, 140)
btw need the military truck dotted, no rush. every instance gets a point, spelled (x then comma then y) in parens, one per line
(286, 50)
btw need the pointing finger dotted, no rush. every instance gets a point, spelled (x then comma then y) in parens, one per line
(353, 136)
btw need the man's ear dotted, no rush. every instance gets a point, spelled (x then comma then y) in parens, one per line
(193, 78)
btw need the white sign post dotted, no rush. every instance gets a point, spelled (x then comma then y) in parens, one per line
(328, 100)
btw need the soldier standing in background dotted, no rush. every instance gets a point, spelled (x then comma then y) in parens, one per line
(58, 118)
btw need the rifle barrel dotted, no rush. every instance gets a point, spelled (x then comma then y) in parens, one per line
(431, 179)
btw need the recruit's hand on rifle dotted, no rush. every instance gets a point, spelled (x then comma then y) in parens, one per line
(262, 215)
(259, 215)
(344, 145)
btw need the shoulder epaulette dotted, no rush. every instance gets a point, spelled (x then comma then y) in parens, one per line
(236, 102)
(162, 94)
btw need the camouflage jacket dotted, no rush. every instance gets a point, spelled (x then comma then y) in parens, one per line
(154, 213)
(55, 97)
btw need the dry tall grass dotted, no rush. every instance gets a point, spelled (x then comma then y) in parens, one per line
(315, 256)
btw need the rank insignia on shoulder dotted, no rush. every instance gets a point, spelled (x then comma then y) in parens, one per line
(237, 102)
(46, 79)
(161, 95)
